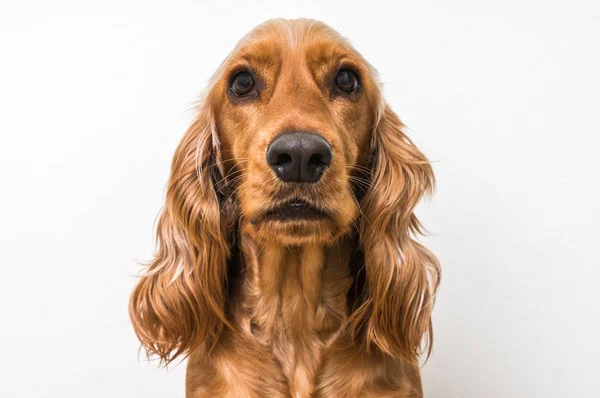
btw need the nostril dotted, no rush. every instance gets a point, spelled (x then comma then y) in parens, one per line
(316, 160)
(283, 158)
(282, 162)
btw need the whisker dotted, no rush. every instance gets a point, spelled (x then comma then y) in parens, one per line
(366, 183)
(359, 167)
(228, 175)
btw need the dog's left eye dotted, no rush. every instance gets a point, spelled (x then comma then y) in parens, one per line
(242, 84)
(346, 81)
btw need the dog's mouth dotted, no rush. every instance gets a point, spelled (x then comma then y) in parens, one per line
(295, 209)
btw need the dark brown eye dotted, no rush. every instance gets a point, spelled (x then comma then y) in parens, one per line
(242, 84)
(347, 81)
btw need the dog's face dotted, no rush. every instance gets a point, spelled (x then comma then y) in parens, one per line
(295, 114)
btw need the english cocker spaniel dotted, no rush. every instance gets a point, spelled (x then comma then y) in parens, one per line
(287, 264)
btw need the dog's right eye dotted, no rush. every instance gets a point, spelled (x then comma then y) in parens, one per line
(242, 84)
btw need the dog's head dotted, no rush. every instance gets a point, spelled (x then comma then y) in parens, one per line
(293, 144)
(294, 108)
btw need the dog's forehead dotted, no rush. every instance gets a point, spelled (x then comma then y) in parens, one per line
(293, 31)
(276, 38)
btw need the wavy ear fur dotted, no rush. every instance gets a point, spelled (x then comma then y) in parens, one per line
(401, 275)
(179, 301)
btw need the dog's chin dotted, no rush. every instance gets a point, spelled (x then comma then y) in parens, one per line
(295, 223)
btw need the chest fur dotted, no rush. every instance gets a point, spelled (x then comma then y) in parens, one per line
(294, 304)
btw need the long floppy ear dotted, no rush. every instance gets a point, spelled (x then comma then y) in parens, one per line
(179, 301)
(401, 275)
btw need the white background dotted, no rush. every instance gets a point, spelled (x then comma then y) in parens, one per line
(504, 96)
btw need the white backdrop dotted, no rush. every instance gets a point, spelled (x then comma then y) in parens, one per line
(503, 96)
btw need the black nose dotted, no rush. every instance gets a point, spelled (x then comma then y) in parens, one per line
(298, 156)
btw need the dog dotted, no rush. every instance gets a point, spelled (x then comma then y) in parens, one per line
(287, 264)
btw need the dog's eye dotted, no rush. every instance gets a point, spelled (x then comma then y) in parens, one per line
(347, 81)
(242, 84)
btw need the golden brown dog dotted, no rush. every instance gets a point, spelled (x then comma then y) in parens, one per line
(287, 264)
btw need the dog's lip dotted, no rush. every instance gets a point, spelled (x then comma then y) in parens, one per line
(296, 209)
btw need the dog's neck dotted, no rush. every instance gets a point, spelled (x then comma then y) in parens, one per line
(294, 301)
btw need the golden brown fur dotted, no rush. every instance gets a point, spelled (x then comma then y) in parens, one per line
(335, 307)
